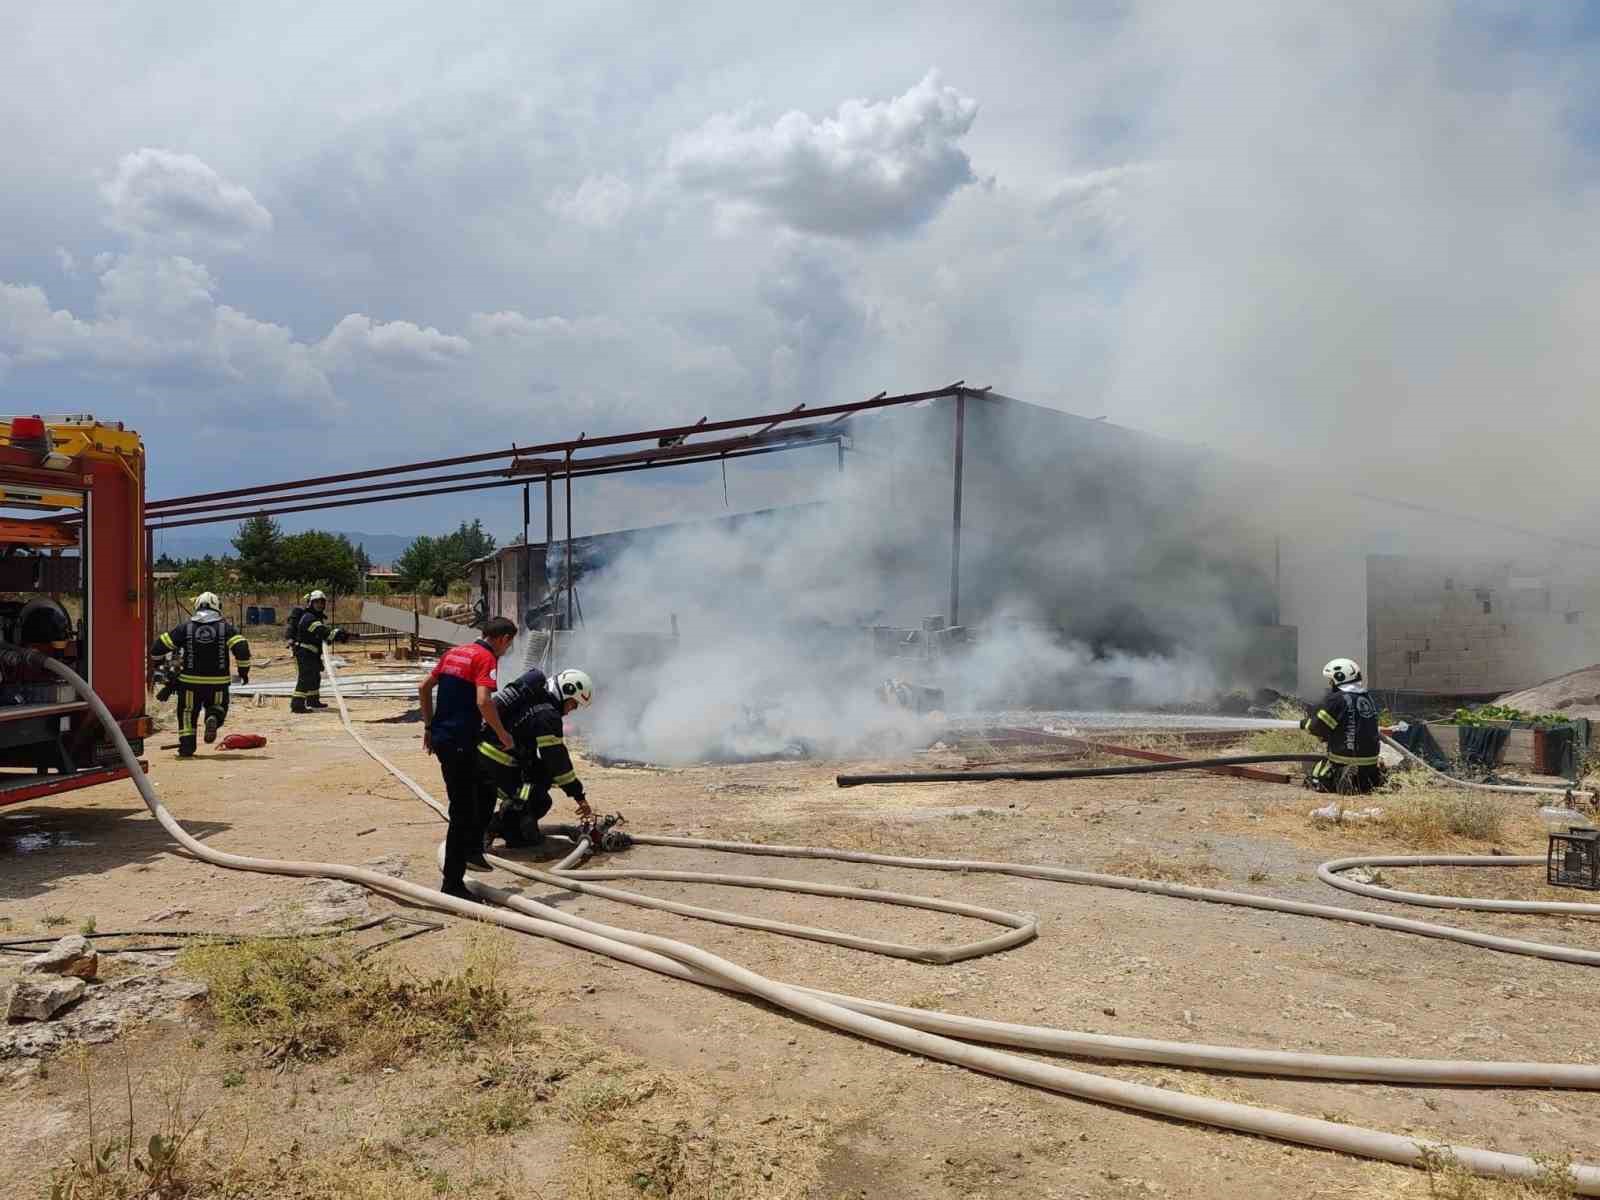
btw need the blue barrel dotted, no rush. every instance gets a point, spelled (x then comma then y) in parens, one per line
(268, 614)
(252, 615)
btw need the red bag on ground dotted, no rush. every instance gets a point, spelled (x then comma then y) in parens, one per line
(242, 741)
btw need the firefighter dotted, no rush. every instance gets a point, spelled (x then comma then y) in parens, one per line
(311, 632)
(531, 708)
(1347, 720)
(203, 644)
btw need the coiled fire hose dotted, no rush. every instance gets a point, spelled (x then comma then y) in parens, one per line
(906, 1029)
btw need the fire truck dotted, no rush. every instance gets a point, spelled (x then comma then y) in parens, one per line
(72, 583)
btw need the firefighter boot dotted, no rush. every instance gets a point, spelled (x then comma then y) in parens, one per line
(212, 722)
(297, 705)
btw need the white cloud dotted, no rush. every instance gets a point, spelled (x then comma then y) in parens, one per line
(159, 288)
(510, 324)
(875, 167)
(599, 202)
(32, 332)
(358, 342)
(158, 325)
(176, 198)
(66, 261)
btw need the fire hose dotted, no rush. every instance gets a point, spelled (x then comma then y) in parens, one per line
(927, 1033)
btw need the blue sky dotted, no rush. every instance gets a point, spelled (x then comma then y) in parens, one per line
(291, 239)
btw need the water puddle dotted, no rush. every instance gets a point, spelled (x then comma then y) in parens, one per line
(35, 841)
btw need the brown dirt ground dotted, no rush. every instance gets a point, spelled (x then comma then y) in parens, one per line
(832, 1116)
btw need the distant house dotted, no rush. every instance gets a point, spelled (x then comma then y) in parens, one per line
(382, 573)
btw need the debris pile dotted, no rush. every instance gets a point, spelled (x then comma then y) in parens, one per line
(1575, 694)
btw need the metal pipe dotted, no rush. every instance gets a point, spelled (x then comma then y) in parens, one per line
(569, 539)
(513, 452)
(244, 514)
(356, 490)
(955, 519)
(1191, 764)
(678, 455)
(786, 438)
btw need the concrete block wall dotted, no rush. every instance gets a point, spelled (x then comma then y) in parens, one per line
(1463, 627)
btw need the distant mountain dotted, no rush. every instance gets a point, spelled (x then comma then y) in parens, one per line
(381, 547)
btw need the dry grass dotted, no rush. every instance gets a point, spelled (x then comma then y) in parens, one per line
(1421, 815)
(1444, 1178)
(124, 1158)
(1288, 710)
(1161, 741)
(1282, 741)
(1164, 868)
(380, 1171)
(1448, 1180)
(302, 1001)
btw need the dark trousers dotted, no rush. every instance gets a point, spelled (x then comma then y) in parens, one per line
(197, 702)
(1344, 779)
(308, 676)
(522, 801)
(464, 838)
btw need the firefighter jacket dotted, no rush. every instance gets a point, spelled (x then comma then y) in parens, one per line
(532, 716)
(203, 644)
(312, 630)
(1347, 720)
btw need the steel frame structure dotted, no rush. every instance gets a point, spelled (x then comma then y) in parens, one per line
(521, 466)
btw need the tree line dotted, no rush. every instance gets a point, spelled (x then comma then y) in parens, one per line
(266, 559)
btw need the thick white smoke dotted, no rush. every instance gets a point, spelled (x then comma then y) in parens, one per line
(775, 613)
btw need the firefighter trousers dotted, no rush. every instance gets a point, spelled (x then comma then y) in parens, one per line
(1344, 779)
(521, 802)
(308, 678)
(198, 703)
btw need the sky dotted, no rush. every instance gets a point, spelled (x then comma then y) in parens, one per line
(283, 240)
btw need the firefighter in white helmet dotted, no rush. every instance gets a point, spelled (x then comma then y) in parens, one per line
(311, 632)
(203, 645)
(1347, 720)
(532, 709)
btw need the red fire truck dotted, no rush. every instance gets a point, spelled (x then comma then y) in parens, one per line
(73, 580)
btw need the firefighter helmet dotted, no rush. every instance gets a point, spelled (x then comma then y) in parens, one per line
(1342, 670)
(573, 684)
(313, 597)
(207, 600)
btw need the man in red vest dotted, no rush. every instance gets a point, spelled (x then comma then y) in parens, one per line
(464, 714)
